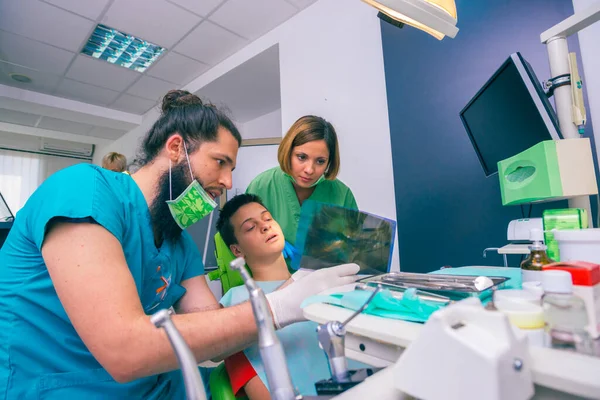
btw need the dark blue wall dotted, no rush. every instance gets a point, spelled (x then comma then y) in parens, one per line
(447, 210)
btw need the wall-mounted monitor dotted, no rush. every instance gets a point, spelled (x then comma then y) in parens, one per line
(509, 114)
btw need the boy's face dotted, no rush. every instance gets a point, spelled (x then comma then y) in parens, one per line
(257, 233)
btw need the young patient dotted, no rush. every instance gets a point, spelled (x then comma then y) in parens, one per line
(250, 231)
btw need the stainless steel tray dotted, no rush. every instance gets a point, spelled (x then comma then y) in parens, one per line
(452, 286)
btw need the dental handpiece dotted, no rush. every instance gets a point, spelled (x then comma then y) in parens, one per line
(194, 387)
(271, 350)
(332, 337)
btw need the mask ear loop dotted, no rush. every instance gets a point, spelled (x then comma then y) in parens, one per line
(188, 160)
(170, 187)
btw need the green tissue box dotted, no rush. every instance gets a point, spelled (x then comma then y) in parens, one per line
(550, 170)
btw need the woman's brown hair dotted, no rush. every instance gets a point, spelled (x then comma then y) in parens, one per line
(308, 129)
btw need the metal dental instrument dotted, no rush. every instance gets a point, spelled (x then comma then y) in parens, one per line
(271, 350)
(332, 340)
(397, 291)
(194, 388)
(467, 284)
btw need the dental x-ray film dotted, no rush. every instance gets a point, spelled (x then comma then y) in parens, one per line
(330, 235)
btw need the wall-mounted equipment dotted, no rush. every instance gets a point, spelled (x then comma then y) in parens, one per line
(509, 114)
(551, 170)
(436, 17)
(66, 148)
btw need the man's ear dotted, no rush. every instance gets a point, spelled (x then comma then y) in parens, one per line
(174, 148)
(235, 249)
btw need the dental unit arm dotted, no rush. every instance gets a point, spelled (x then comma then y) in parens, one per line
(271, 350)
(194, 387)
(332, 337)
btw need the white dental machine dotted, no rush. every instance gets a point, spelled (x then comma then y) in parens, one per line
(463, 352)
(517, 234)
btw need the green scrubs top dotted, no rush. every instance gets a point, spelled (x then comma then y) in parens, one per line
(277, 192)
(41, 354)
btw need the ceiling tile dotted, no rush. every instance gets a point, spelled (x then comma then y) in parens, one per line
(106, 133)
(301, 3)
(150, 88)
(33, 54)
(88, 8)
(41, 82)
(18, 117)
(101, 73)
(61, 125)
(176, 68)
(210, 43)
(87, 93)
(156, 21)
(203, 7)
(252, 19)
(40, 21)
(132, 104)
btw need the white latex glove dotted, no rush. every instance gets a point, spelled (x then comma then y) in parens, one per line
(285, 303)
(301, 273)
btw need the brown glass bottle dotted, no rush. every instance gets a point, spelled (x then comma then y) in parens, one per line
(531, 267)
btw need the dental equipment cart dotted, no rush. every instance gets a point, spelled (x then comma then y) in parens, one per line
(380, 342)
(463, 352)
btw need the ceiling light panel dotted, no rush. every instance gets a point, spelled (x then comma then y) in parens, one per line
(119, 48)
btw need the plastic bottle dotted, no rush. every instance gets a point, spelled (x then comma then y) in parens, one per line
(531, 267)
(564, 313)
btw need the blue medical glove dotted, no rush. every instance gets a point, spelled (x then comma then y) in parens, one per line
(290, 251)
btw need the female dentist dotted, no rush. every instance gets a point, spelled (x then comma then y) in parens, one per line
(309, 161)
(93, 253)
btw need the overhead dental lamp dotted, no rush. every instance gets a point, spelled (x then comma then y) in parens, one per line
(436, 17)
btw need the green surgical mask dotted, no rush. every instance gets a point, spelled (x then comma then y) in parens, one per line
(192, 204)
(321, 179)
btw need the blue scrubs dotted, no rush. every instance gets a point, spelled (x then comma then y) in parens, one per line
(306, 361)
(41, 354)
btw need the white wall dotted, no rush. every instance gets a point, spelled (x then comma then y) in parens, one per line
(255, 159)
(265, 126)
(589, 43)
(331, 65)
(252, 161)
(128, 144)
(20, 142)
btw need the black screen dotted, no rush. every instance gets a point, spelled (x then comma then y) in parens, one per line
(502, 119)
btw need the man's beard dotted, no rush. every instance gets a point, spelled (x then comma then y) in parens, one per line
(163, 223)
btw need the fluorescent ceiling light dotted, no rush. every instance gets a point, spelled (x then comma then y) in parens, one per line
(119, 48)
(436, 17)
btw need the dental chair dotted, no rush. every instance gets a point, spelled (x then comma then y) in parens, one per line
(229, 278)
(220, 386)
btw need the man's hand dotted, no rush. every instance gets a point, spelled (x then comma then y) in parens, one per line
(285, 303)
